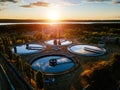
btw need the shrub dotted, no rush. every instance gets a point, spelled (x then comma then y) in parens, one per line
(103, 76)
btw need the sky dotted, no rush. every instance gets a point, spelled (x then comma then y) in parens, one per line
(60, 9)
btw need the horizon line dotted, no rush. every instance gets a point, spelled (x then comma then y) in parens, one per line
(45, 20)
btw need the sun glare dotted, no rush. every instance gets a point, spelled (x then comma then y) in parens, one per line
(52, 15)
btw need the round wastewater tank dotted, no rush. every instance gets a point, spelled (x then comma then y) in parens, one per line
(28, 48)
(87, 50)
(59, 42)
(54, 64)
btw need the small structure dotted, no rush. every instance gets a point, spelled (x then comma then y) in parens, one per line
(53, 62)
(101, 44)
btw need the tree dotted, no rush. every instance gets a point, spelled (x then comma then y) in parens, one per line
(13, 40)
(19, 62)
(115, 63)
(28, 71)
(9, 52)
(2, 48)
(117, 41)
(38, 36)
(39, 80)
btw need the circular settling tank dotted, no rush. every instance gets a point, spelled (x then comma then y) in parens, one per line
(54, 64)
(87, 50)
(28, 48)
(61, 42)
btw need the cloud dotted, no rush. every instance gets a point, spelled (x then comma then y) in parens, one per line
(112, 1)
(14, 1)
(109, 1)
(1, 9)
(4, 4)
(116, 1)
(52, 3)
(41, 4)
(116, 17)
(44, 4)
(69, 2)
(98, 0)
(27, 6)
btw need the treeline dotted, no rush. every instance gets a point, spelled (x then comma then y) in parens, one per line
(32, 20)
(33, 27)
(19, 28)
(90, 27)
(80, 32)
(19, 20)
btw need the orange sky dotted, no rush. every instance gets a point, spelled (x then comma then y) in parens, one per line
(60, 9)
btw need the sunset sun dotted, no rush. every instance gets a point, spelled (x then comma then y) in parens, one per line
(53, 15)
